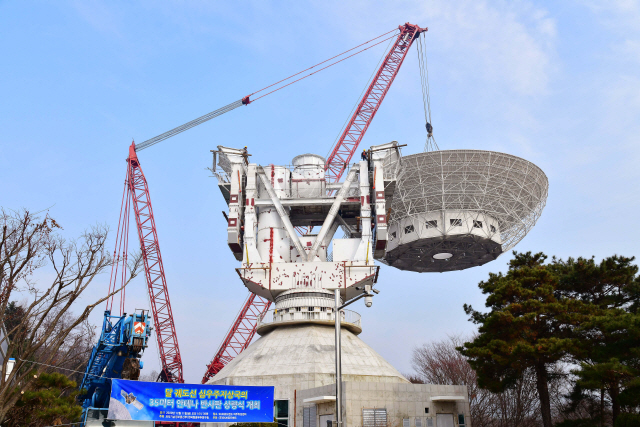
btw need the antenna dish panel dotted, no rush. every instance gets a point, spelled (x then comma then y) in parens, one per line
(456, 209)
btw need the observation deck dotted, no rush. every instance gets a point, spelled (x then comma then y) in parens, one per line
(271, 319)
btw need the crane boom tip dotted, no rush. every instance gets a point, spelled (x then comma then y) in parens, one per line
(132, 153)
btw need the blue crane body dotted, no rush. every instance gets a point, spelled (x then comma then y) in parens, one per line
(116, 355)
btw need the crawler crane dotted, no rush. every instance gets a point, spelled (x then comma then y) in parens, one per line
(116, 330)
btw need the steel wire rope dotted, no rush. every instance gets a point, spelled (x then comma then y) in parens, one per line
(189, 125)
(424, 80)
(320, 63)
(323, 68)
(125, 254)
(62, 369)
(430, 143)
(120, 251)
(115, 263)
(156, 346)
(245, 100)
(384, 53)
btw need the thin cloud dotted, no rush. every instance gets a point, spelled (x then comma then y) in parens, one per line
(512, 47)
(101, 16)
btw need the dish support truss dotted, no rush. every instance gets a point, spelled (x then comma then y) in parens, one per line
(485, 196)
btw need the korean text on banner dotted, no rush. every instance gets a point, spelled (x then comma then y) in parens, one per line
(149, 401)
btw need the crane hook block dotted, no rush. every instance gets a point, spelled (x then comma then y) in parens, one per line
(246, 100)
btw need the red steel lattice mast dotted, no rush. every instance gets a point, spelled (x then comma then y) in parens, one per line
(239, 336)
(362, 117)
(154, 272)
(242, 331)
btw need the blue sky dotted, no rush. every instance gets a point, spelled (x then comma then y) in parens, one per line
(557, 83)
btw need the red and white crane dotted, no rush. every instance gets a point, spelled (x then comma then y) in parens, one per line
(355, 129)
(243, 328)
(165, 328)
(239, 335)
(136, 195)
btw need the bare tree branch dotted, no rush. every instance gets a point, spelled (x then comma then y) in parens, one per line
(440, 363)
(47, 334)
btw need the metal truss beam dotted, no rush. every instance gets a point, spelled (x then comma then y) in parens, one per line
(364, 114)
(239, 336)
(154, 272)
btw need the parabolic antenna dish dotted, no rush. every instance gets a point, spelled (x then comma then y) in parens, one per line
(456, 209)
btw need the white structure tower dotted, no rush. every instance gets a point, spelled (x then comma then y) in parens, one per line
(451, 210)
(301, 271)
(266, 204)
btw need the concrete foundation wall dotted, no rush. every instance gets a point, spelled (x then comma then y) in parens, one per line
(401, 401)
(299, 362)
(301, 357)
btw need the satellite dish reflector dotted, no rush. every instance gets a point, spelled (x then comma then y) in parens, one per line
(457, 209)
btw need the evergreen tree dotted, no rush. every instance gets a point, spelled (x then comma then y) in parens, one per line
(529, 326)
(51, 401)
(608, 341)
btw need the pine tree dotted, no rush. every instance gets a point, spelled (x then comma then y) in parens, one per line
(608, 342)
(52, 400)
(529, 326)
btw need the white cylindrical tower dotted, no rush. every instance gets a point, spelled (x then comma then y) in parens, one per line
(273, 243)
(308, 176)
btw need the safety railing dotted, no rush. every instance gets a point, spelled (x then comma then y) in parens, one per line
(275, 316)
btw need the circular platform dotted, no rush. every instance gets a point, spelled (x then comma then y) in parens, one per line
(272, 319)
(457, 209)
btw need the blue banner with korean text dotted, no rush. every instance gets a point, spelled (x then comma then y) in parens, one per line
(147, 401)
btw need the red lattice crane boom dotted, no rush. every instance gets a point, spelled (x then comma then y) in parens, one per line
(359, 123)
(154, 272)
(243, 329)
(239, 336)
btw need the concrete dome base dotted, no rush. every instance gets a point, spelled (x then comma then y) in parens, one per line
(302, 356)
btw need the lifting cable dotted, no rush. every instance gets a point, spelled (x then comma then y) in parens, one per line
(355, 105)
(324, 68)
(189, 125)
(120, 253)
(246, 100)
(430, 144)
